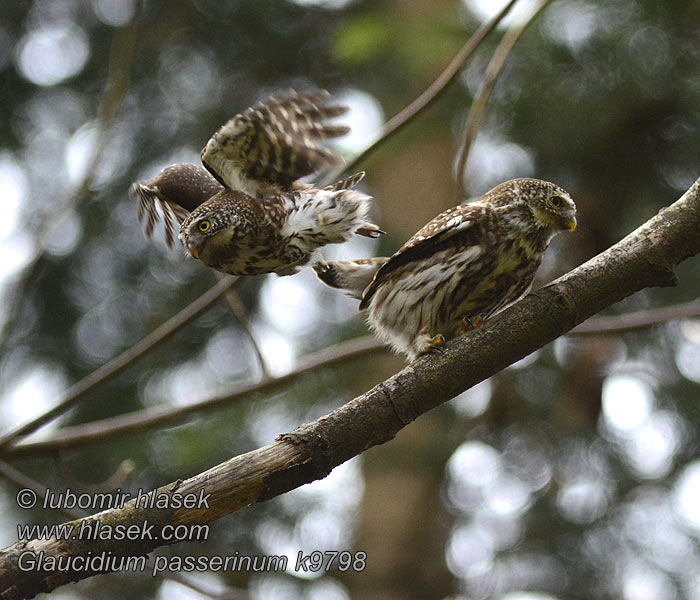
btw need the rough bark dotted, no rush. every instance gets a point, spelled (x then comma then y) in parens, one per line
(645, 258)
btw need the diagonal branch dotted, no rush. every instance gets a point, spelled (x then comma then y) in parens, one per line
(137, 422)
(120, 362)
(493, 70)
(638, 319)
(116, 87)
(431, 94)
(645, 258)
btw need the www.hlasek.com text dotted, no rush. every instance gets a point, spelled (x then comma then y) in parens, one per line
(95, 529)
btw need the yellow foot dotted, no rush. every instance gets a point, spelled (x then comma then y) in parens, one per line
(436, 344)
(469, 324)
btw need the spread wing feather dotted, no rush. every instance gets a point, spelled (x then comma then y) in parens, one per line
(276, 141)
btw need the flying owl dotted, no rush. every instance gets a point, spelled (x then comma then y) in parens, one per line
(247, 212)
(465, 265)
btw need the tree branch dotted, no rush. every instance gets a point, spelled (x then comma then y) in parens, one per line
(120, 362)
(638, 319)
(432, 93)
(493, 70)
(645, 258)
(136, 422)
(121, 56)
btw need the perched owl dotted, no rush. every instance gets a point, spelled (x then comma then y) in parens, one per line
(247, 212)
(467, 264)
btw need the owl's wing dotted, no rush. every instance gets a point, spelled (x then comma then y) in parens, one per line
(172, 195)
(431, 238)
(276, 141)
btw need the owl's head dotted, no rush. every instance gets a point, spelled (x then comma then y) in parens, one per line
(551, 205)
(209, 227)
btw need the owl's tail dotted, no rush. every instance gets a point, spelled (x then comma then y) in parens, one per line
(152, 207)
(171, 195)
(367, 229)
(353, 276)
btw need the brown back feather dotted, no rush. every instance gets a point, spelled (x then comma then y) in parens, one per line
(431, 238)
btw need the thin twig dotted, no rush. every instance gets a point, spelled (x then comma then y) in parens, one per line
(120, 362)
(118, 81)
(491, 74)
(23, 481)
(240, 312)
(428, 96)
(638, 319)
(114, 427)
(98, 431)
(112, 482)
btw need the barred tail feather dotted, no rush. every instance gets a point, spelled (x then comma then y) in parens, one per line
(347, 183)
(152, 208)
(353, 276)
(147, 199)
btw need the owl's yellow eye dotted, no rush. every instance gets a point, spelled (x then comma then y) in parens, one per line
(557, 201)
(204, 226)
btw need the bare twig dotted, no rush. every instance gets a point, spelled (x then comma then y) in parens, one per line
(118, 81)
(114, 481)
(239, 311)
(638, 319)
(429, 95)
(106, 429)
(493, 70)
(119, 363)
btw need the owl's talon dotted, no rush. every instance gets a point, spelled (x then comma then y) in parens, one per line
(437, 344)
(471, 324)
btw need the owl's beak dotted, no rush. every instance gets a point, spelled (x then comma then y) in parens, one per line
(570, 223)
(193, 250)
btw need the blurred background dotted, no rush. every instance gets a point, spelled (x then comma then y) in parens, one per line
(573, 474)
